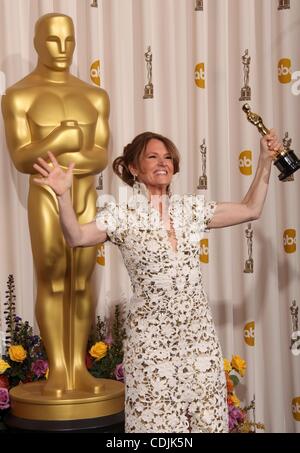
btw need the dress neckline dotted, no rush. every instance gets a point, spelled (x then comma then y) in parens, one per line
(141, 190)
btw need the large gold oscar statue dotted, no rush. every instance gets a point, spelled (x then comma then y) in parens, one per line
(50, 109)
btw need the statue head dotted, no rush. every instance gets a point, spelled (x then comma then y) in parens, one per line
(246, 108)
(54, 41)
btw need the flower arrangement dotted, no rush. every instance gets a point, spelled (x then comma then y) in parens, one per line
(25, 358)
(238, 417)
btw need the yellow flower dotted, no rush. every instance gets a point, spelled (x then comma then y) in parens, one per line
(99, 350)
(47, 373)
(17, 353)
(239, 364)
(3, 366)
(234, 399)
(227, 365)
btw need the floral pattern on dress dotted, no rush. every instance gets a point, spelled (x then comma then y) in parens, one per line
(172, 357)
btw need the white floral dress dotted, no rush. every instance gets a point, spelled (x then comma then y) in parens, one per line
(173, 364)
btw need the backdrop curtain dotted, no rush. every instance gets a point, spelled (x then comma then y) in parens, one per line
(198, 75)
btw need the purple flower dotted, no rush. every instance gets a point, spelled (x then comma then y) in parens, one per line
(39, 367)
(4, 398)
(119, 372)
(108, 340)
(236, 416)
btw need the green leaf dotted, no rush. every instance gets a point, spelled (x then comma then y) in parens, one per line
(235, 379)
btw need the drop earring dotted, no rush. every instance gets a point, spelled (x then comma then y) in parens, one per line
(136, 186)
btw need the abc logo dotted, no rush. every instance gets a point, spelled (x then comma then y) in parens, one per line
(284, 70)
(95, 72)
(249, 333)
(245, 162)
(200, 75)
(289, 241)
(101, 255)
(296, 408)
(204, 258)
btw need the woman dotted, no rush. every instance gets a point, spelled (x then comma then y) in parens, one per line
(173, 363)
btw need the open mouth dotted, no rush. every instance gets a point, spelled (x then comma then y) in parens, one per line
(161, 173)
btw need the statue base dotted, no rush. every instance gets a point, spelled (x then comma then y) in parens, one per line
(288, 164)
(199, 7)
(148, 91)
(295, 337)
(289, 178)
(284, 6)
(28, 402)
(108, 424)
(249, 267)
(245, 94)
(202, 183)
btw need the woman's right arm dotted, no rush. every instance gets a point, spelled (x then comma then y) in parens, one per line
(76, 235)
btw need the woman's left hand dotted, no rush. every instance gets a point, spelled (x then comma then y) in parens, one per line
(271, 145)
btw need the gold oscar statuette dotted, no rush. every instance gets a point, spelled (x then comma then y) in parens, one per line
(148, 90)
(294, 310)
(100, 182)
(246, 90)
(202, 185)
(287, 141)
(284, 4)
(249, 261)
(199, 5)
(50, 109)
(286, 161)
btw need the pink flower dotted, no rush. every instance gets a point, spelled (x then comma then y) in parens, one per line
(39, 367)
(4, 382)
(4, 398)
(88, 361)
(236, 416)
(119, 372)
(108, 340)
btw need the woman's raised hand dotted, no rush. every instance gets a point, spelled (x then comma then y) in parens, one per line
(53, 175)
(271, 145)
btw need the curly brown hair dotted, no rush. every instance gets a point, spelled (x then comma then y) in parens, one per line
(132, 152)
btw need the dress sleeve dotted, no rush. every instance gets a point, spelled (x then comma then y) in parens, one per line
(110, 220)
(204, 211)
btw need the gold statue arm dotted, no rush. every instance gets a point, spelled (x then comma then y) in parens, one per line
(24, 152)
(94, 160)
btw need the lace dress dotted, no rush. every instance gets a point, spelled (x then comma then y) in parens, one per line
(173, 364)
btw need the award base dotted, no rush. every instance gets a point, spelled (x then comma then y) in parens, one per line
(245, 94)
(202, 183)
(148, 91)
(287, 164)
(29, 402)
(284, 5)
(249, 266)
(289, 178)
(294, 339)
(199, 6)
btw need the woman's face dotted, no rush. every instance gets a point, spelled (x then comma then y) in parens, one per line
(155, 167)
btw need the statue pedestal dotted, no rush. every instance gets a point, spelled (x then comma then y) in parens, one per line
(74, 411)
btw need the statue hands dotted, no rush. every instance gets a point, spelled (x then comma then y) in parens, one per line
(54, 176)
(67, 137)
(271, 145)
